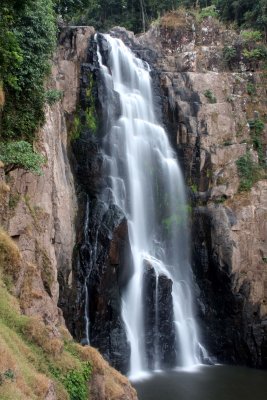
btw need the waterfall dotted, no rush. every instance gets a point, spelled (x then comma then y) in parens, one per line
(147, 184)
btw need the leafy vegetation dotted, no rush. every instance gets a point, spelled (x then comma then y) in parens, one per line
(249, 172)
(210, 96)
(31, 27)
(210, 11)
(229, 54)
(20, 155)
(75, 381)
(251, 89)
(137, 15)
(256, 129)
(53, 96)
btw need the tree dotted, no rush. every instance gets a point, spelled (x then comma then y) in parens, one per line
(20, 154)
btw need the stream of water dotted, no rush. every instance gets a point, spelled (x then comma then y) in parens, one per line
(147, 184)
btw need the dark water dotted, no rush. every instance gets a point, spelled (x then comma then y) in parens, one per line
(208, 383)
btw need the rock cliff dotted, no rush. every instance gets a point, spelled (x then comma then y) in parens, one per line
(39, 213)
(209, 105)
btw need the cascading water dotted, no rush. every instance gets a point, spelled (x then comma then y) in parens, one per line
(147, 184)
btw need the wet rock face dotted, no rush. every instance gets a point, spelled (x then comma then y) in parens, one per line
(167, 345)
(158, 319)
(150, 313)
(102, 263)
(110, 268)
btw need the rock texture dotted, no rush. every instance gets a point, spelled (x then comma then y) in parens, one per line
(158, 319)
(206, 108)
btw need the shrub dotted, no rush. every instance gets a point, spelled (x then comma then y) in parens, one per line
(251, 36)
(75, 381)
(210, 96)
(254, 54)
(251, 89)
(32, 36)
(248, 171)
(256, 128)
(20, 155)
(208, 12)
(53, 96)
(229, 54)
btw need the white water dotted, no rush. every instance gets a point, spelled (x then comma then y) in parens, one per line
(147, 184)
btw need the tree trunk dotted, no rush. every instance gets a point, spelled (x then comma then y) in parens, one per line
(143, 15)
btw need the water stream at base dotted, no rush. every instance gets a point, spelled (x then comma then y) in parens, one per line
(147, 184)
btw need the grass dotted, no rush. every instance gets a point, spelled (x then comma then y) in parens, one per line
(28, 347)
(9, 256)
(31, 352)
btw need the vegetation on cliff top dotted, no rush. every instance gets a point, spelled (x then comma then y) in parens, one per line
(137, 15)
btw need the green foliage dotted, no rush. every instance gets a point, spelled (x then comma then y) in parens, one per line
(91, 121)
(220, 199)
(256, 129)
(75, 381)
(9, 374)
(31, 31)
(208, 12)
(229, 54)
(251, 89)
(90, 112)
(254, 36)
(193, 187)
(75, 129)
(20, 155)
(68, 8)
(249, 172)
(13, 200)
(210, 96)
(10, 51)
(52, 96)
(255, 54)
(104, 14)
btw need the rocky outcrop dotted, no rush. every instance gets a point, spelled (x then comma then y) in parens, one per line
(207, 106)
